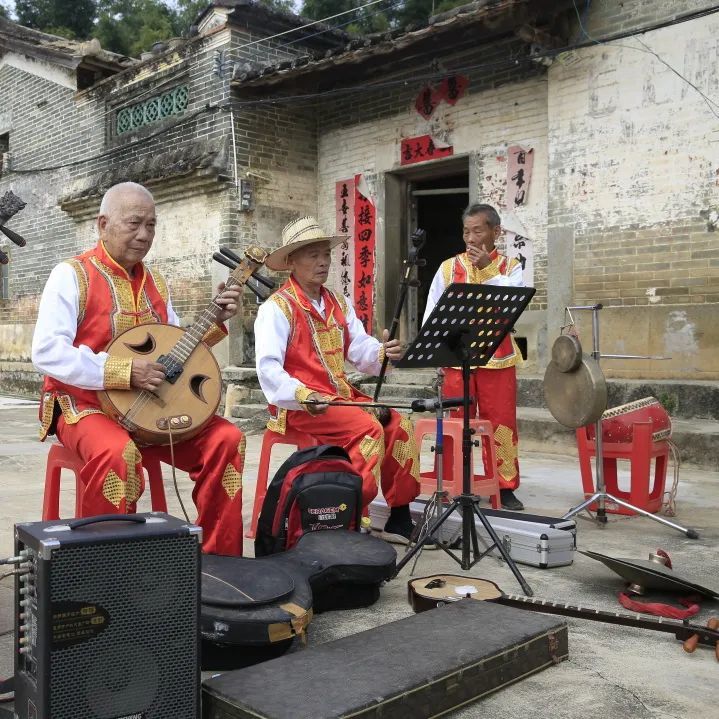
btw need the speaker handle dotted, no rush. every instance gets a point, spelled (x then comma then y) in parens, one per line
(77, 523)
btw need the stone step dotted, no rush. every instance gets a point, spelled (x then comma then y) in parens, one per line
(696, 440)
(683, 400)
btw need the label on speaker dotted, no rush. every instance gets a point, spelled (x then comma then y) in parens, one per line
(76, 622)
(138, 715)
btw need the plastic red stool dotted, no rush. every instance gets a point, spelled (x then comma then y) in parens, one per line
(60, 458)
(270, 438)
(484, 485)
(640, 452)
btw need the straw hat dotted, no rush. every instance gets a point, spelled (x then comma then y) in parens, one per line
(299, 233)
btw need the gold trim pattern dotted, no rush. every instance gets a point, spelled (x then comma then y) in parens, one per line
(478, 275)
(407, 450)
(447, 272)
(133, 484)
(70, 412)
(506, 452)
(160, 283)
(370, 447)
(509, 361)
(214, 335)
(302, 394)
(278, 424)
(113, 488)
(82, 284)
(231, 481)
(47, 404)
(117, 373)
(381, 354)
(242, 447)
(284, 306)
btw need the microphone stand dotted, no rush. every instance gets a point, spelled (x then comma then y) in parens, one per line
(435, 505)
(417, 241)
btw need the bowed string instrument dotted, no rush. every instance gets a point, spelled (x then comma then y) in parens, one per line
(417, 240)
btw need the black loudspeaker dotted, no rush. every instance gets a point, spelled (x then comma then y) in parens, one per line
(107, 618)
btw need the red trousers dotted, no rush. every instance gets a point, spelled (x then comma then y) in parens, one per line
(114, 480)
(495, 399)
(382, 455)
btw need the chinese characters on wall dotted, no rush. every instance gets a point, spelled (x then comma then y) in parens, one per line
(519, 175)
(356, 217)
(364, 257)
(344, 225)
(449, 90)
(422, 148)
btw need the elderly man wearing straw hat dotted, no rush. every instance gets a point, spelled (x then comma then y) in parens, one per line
(303, 335)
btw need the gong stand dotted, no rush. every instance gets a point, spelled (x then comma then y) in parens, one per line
(601, 495)
(466, 326)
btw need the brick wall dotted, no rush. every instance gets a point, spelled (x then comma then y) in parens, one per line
(633, 170)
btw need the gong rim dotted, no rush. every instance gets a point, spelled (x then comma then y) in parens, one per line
(575, 399)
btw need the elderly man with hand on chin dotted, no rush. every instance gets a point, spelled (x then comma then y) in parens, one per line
(494, 386)
(303, 335)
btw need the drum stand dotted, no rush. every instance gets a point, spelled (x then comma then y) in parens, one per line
(465, 328)
(601, 495)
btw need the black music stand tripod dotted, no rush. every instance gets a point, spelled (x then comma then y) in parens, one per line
(465, 328)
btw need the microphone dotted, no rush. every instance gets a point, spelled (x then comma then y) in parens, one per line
(431, 405)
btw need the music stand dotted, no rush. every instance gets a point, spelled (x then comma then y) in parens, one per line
(465, 328)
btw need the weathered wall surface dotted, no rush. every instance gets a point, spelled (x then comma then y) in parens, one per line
(633, 166)
(363, 135)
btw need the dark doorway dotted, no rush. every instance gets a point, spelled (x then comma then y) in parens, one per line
(437, 205)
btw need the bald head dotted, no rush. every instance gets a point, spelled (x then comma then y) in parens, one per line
(117, 193)
(126, 223)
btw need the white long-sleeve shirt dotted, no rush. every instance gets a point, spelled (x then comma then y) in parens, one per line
(53, 352)
(513, 278)
(272, 334)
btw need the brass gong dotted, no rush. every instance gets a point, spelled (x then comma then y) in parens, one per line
(576, 398)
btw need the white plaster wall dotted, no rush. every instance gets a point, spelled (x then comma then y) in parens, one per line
(633, 143)
(482, 125)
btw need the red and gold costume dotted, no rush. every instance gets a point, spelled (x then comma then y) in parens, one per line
(493, 386)
(87, 302)
(301, 348)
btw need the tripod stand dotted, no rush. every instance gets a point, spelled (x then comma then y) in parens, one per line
(601, 495)
(465, 328)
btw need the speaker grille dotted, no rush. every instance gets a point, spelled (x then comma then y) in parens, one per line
(145, 662)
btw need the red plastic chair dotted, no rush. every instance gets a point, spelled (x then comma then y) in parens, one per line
(484, 485)
(640, 452)
(60, 457)
(270, 438)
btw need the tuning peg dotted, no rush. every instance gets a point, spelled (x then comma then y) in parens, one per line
(217, 257)
(266, 281)
(232, 255)
(13, 236)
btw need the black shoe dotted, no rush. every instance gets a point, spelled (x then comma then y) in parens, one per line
(400, 530)
(509, 501)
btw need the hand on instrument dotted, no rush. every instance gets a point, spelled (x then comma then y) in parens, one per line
(392, 348)
(317, 408)
(478, 256)
(146, 375)
(228, 300)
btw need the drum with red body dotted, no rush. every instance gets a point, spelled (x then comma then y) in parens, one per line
(618, 422)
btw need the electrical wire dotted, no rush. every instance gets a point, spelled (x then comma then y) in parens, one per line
(415, 78)
(646, 49)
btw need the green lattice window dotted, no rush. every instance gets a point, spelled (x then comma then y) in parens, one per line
(133, 117)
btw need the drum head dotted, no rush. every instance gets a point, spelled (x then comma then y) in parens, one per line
(576, 398)
(243, 582)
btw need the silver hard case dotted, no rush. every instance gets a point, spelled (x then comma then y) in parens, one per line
(532, 539)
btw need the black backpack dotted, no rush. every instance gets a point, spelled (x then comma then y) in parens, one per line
(315, 489)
